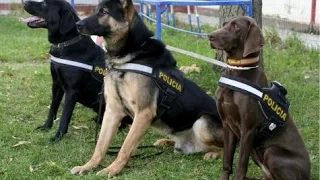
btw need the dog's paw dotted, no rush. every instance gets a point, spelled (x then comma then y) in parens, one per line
(111, 170)
(57, 137)
(211, 155)
(164, 142)
(78, 170)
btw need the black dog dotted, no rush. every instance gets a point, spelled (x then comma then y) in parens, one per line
(76, 80)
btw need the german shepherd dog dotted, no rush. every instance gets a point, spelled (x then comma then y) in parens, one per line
(77, 84)
(191, 118)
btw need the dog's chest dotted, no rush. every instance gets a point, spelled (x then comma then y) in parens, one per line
(130, 90)
(117, 90)
(228, 109)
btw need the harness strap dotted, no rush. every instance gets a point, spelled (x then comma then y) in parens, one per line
(68, 43)
(71, 63)
(167, 99)
(134, 67)
(245, 88)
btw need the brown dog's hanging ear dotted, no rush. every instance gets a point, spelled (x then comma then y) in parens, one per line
(254, 40)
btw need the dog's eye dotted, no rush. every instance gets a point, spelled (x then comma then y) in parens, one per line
(104, 11)
(234, 25)
(225, 23)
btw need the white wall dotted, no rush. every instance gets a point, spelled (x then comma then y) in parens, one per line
(296, 10)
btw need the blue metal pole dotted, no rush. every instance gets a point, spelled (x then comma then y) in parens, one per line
(149, 11)
(72, 3)
(172, 16)
(198, 19)
(249, 9)
(158, 21)
(167, 16)
(189, 17)
(141, 10)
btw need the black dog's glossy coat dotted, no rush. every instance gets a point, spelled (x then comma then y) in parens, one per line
(76, 84)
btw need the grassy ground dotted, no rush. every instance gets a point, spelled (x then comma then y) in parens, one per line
(25, 96)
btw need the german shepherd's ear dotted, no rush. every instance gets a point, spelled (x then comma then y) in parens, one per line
(67, 22)
(253, 41)
(126, 3)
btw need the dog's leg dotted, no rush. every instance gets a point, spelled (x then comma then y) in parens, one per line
(229, 144)
(246, 144)
(141, 122)
(210, 134)
(111, 121)
(69, 104)
(230, 141)
(281, 164)
(57, 94)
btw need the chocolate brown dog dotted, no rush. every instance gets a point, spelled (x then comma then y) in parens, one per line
(283, 155)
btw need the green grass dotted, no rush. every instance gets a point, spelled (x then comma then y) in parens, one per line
(25, 96)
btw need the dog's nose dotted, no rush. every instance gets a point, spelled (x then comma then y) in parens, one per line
(79, 25)
(26, 3)
(211, 37)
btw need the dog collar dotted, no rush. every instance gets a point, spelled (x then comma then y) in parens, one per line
(243, 64)
(68, 43)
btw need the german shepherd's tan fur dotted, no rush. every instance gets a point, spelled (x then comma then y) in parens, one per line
(136, 95)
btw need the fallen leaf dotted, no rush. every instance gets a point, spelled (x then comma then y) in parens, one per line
(31, 168)
(21, 143)
(188, 69)
(80, 127)
(14, 137)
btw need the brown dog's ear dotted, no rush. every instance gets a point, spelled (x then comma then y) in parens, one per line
(254, 40)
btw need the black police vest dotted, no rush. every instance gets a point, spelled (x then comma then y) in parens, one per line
(180, 101)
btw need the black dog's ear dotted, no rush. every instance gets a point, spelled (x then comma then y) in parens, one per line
(67, 22)
(254, 40)
(53, 20)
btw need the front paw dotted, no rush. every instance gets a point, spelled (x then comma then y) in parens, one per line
(57, 137)
(111, 170)
(79, 170)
